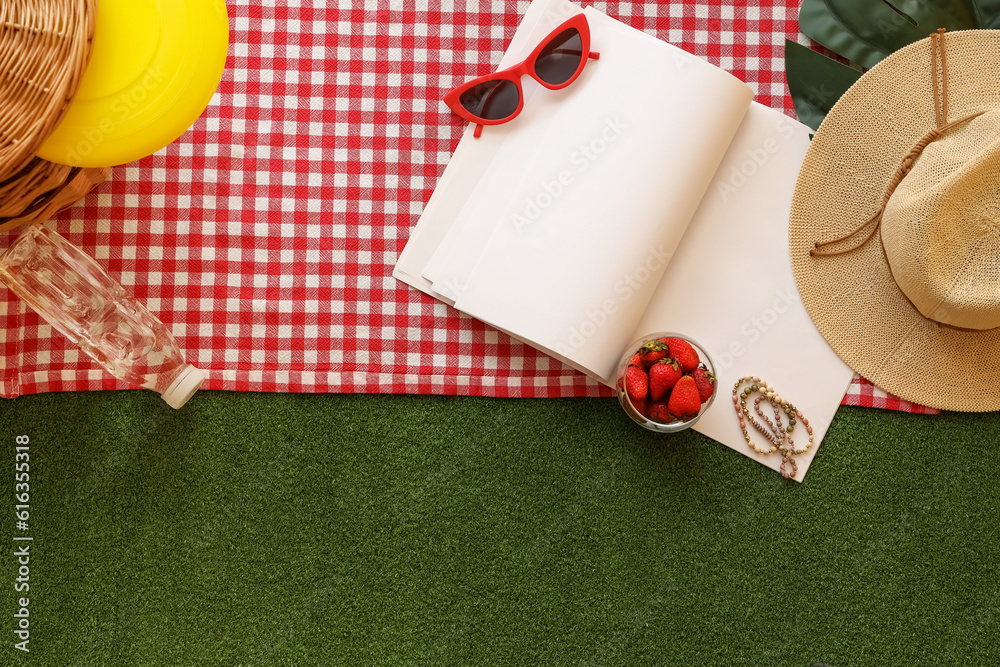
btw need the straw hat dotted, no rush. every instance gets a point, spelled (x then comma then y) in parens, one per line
(900, 189)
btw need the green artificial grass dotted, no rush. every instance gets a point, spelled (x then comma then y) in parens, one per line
(250, 529)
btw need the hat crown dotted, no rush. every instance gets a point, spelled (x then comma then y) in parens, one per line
(941, 227)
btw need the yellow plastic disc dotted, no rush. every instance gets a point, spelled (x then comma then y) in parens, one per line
(154, 68)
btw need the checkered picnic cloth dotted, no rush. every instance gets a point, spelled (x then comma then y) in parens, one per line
(266, 236)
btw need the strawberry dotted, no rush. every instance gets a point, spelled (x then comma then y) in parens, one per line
(685, 403)
(659, 412)
(704, 380)
(641, 406)
(653, 351)
(685, 355)
(663, 375)
(636, 360)
(636, 383)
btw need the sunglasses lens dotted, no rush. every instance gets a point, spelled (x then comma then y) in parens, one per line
(491, 100)
(561, 57)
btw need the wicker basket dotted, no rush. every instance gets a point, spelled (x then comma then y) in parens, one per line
(45, 46)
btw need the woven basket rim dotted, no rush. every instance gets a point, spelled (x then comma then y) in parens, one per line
(44, 50)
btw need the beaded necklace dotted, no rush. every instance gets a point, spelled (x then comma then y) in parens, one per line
(778, 435)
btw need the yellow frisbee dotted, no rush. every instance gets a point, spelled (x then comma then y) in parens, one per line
(154, 68)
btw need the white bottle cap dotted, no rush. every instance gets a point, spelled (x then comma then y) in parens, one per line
(183, 387)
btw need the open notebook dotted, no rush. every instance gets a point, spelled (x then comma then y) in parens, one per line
(650, 195)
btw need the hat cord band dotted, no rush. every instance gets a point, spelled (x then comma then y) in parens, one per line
(941, 117)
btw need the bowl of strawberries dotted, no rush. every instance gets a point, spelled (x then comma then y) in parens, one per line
(666, 381)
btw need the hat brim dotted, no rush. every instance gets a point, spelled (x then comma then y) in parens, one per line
(852, 298)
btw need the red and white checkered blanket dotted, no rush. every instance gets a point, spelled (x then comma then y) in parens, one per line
(266, 236)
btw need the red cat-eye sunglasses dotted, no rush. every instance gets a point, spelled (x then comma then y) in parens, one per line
(555, 63)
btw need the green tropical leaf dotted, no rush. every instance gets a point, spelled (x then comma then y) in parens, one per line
(865, 32)
(987, 13)
(815, 82)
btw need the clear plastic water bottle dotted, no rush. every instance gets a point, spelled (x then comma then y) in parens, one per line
(78, 298)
